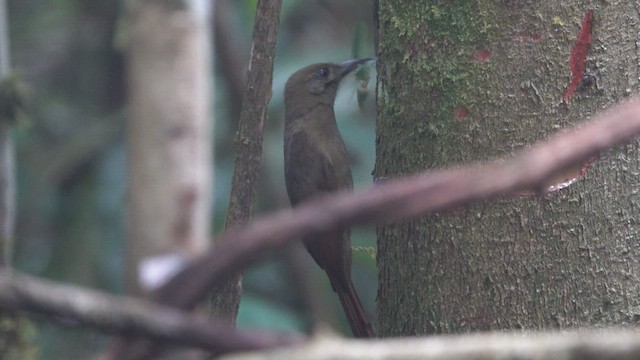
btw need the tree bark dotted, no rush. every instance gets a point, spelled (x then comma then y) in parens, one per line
(462, 81)
(169, 139)
(7, 167)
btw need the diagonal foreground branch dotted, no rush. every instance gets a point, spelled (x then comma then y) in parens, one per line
(575, 345)
(127, 315)
(402, 198)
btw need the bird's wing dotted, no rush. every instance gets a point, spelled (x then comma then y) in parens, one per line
(309, 170)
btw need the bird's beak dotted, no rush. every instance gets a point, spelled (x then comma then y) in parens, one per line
(350, 65)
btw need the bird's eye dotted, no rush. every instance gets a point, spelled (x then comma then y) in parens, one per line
(323, 72)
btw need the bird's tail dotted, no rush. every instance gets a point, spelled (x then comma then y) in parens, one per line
(358, 320)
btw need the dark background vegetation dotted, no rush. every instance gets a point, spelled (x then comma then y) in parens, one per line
(71, 155)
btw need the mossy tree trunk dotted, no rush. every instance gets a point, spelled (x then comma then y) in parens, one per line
(463, 81)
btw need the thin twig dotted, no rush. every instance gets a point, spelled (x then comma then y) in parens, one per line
(257, 94)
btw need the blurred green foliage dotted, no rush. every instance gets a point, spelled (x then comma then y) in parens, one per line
(16, 337)
(71, 155)
(13, 95)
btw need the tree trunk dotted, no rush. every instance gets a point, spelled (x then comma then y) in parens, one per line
(462, 81)
(225, 300)
(7, 168)
(169, 139)
(15, 331)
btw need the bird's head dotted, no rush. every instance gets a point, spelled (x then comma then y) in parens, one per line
(317, 83)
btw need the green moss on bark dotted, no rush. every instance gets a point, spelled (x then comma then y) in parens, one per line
(429, 49)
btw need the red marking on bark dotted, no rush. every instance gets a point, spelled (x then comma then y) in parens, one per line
(563, 180)
(578, 57)
(536, 37)
(482, 55)
(460, 113)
